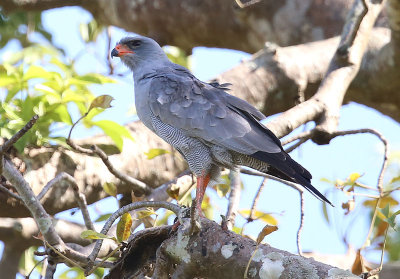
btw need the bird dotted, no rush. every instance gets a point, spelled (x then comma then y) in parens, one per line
(211, 128)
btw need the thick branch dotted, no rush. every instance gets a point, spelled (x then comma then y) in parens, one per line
(37, 211)
(215, 253)
(213, 23)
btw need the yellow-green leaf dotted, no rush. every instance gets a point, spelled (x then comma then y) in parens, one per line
(103, 217)
(103, 101)
(354, 176)
(145, 213)
(154, 152)
(90, 234)
(115, 131)
(124, 227)
(110, 189)
(382, 203)
(222, 189)
(259, 215)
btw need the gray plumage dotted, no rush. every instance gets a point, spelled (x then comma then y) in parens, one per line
(208, 126)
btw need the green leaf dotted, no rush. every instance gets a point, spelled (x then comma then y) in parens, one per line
(37, 72)
(91, 78)
(90, 234)
(103, 102)
(103, 217)
(154, 152)
(115, 131)
(124, 227)
(110, 189)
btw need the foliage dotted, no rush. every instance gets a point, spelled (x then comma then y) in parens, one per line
(36, 80)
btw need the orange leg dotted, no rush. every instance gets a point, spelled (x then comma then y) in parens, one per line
(202, 182)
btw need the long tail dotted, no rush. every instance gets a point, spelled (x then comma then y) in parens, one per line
(283, 166)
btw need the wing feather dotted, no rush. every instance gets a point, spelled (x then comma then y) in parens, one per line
(209, 113)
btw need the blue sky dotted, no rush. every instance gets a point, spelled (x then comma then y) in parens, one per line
(345, 155)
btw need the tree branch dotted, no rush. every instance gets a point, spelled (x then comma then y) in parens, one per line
(199, 255)
(325, 105)
(234, 199)
(43, 220)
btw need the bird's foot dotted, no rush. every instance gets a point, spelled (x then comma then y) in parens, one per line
(194, 226)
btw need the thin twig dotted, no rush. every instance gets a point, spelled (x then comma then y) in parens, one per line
(377, 270)
(68, 260)
(371, 226)
(80, 198)
(306, 134)
(5, 190)
(43, 220)
(143, 204)
(15, 138)
(256, 198)
(105, 259)
(381, 138)
(234, 198)
(297, 144)
(257, 173)
(299, 250)
(137, 185)
(18, 135)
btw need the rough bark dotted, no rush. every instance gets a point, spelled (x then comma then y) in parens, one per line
(214, 23)
(213, 253)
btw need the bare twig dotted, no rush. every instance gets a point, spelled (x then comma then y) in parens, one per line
(381, 138)
(19, 134)
(79, 197)
(299, 250)
(15, 138)
(256, 198)
(257, 173)
(306, 134)
(5, 190)
(120, 212)
(234, 198)
(41, 217)
(377, 270)
(137, 185)
(297, 144)
(105, 259)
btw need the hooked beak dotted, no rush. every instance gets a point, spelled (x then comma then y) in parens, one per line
(120, 50)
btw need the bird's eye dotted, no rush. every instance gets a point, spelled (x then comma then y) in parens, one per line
(134, 43)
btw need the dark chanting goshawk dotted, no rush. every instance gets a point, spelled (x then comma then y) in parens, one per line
(208, 126)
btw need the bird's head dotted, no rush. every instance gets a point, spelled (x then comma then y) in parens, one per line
(139, 51)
